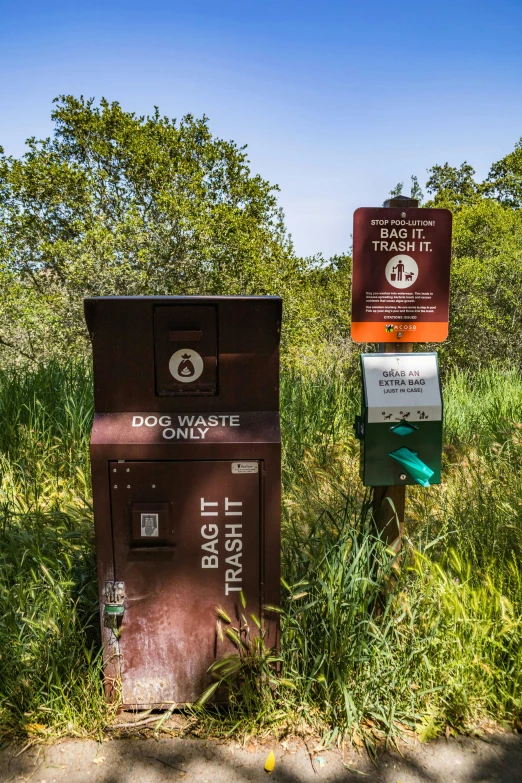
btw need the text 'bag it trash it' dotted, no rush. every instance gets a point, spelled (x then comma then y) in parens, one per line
(186, 456)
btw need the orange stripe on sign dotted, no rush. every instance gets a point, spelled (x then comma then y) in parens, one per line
(375, 332)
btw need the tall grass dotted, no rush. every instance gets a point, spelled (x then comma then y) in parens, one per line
(442, 649)
(481, 408)
(446, 648)
(50, 665)
(45, 416)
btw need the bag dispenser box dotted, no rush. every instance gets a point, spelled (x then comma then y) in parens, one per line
(186, 473)
(400, 428)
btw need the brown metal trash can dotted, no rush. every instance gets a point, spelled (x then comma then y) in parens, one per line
(186, 475)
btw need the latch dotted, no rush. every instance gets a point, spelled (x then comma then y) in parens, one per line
(359, 427)
(114, 598)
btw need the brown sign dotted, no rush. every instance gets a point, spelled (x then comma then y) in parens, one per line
(401, 275)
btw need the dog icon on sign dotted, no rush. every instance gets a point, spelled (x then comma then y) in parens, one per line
(401, 271)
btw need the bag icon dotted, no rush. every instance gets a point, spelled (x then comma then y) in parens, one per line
(185, 367)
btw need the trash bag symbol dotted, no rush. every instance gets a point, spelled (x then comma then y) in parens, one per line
(186, 368)
(186, 365)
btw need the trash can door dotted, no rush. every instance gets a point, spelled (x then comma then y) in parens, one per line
(186, 540)
(185, 350)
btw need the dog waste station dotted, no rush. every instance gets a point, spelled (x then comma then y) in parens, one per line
(400, 296)
(185, 455)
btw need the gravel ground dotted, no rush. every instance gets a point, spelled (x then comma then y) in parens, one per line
(495, 758)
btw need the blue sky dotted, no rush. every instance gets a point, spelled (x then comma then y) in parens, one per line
(336, 101)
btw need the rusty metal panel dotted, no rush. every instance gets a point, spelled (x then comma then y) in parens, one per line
(122, 333)
(212, 551)
(185, 349)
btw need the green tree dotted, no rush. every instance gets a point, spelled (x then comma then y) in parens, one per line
(452, 187)
(504, 181)
(114, 203)
(486, 277)
(486, 287)
(397, 190)
(416, 190)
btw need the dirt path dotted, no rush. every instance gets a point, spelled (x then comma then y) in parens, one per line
(498, 758)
